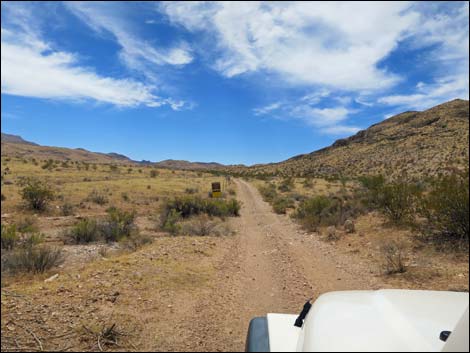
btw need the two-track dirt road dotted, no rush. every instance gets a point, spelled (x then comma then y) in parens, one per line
(271, 266)
(183, 293)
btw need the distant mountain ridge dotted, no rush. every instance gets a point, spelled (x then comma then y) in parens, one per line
(408, 144)
(14, 145)
(16, 139)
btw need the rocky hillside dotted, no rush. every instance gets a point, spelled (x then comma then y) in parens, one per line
(408, 144)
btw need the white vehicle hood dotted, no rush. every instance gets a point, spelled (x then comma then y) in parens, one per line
(384, 320)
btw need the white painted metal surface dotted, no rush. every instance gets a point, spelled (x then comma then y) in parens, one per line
(384, 320)
(283, 335)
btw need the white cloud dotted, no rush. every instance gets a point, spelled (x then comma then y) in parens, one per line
(137, 53)
(312, 43)
(429, 95)
(447, 31)
(28, 70)
(267, 109)
(33, 67)
(340, 130)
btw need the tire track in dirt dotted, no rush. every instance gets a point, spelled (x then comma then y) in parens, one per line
(269, 266)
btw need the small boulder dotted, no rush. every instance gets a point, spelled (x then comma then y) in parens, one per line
(349, 226)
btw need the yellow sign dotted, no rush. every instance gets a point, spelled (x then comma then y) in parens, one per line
(216, 190)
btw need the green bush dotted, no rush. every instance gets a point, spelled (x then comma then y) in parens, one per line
(153, 173)
(27, 224)
(398, 201)
(185, 207)
(119, 224)
(446, 210)
(286, 185)
(268, 192)
(188, 206)
(169, 222)
(9, 237)
(136, 240)
(191, 191)
(281, 204)
(67, 209)
(311, 212)
(32, 258)
(372, 187)
(36, 194)
(85, 231)
(97, 197)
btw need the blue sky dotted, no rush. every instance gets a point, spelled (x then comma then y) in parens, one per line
(234, 83)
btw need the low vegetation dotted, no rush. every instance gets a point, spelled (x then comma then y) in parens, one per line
(180, 209)
(36, 194)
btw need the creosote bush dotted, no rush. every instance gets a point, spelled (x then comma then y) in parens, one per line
(182, 208)
(281, 204)
(36, 194)
(445, 209)
(97, 197)
(116, 226)
(393, 253)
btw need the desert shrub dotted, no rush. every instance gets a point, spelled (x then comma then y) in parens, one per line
(97, 197)
(193, 205)
(372, 187)
(281, 204)
(49, 164)
(67, 209)
(125, 196)
(119, 224)
(3, 197)
(27, 224)
(398, 200)
(153, 173)
(308, 183)
(36, 194)
(203, 225)
(191, 191)
(311, 212)
(169, 221)
(136, 241)
(268, 192)
(9, 237)
(393, 253)
(113, 168)
(84, 231)
(32, 258)
(173, 211)
(445, 209)
(286, 185)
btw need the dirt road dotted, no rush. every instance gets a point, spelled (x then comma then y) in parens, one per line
(182, 293)
(272, 266)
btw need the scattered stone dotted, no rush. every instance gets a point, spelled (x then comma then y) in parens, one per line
(349, 226)
(52, 278)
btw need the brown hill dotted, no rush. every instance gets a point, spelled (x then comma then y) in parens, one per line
(412, 144)
(15, 146)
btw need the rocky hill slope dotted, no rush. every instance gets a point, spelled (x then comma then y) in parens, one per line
(408, 144)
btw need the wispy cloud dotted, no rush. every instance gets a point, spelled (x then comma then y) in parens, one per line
(136, 52)
(32, 67)
(307, 43)
(327, 120)
(267, 109)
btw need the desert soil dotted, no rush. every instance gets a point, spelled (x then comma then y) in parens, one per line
(184, 293)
